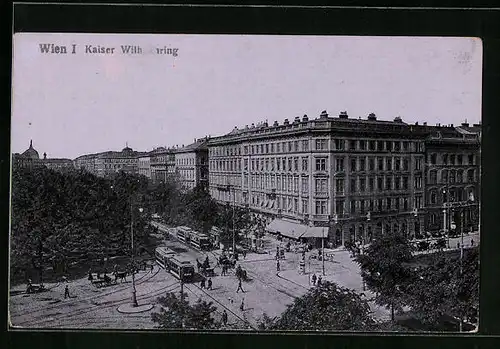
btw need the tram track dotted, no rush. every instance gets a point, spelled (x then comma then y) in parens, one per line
(142, 279)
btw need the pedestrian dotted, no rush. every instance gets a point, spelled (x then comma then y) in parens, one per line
(209, 287)
(278, 265)
(314, 279)
(224, 317)
(319, 281)
(244, 254)
(242, 305)
(202, 284)
(66, 292)
(90, 275)
(239, 286)
(458, 244)
(152, 268)
(472, 242)
(223, 273)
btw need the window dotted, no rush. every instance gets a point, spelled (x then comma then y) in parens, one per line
(405, 204)
(362, 145)
(380, 185)
(371, 145)
(471, 159)
(371, 164)
(253, 165)
(470, 175)
(405, 145)
(362, 184)
(320, 164)
(362, 206)
(397, 164)
(352, 185)
(397, 146)
(283, 162)
(305, 145)
(452, 159)
(452, 176)
(460, 159)
(339, 165)
(272, 147)
(353, 206)
(305, 164)
(321, 144)
(388, 183)
(380, 162)
(296, 145)
(267, 164)
(339, 207)
(352, 144)
(339, 186)
(388, 145)
(405, 164)
(362, 164)
(397, 183)
(278, 147)
(405, 183)
(445, 159)
(278, 164)
(321, 185)
(371, 184)
(320, 206)
(388, 203)
(353, 164)
(290, 146)
(305, 185)
(380, 145)
(389, 164)
(418, 164)
(339, 144)
(444, 176)
(460, 176)
(273, 164)
(305, 204)
(296, 164)
(296, 184)
(433, 177)
(267, 148)
(418, 182)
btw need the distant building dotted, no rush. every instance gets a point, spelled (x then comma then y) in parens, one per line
(191, 164)
(162, 162)
(31, 159)
(144, 164)
(110, 162)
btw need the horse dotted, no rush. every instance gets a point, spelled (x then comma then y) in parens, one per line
(120, 275)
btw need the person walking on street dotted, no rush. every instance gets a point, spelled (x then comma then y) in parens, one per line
(239, 286)
(314, 279)
(209, 284)
(66, 292)
(244, 253)
(224, 317)
(223, 273)
(242, 305)
(472, 242)
(278, 265)
(202, 284)
(319, 281)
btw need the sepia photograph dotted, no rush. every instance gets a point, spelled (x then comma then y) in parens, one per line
(181, 182)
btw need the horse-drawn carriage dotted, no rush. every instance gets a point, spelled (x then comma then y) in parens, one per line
(102, 281)
(33, 288)
(241, 273)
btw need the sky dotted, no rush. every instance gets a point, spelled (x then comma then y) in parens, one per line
(75, 104)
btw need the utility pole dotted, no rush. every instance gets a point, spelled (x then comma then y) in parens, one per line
(181, 276)
(323, 250)
(134, 296)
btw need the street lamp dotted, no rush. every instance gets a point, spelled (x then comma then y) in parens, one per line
(134, 292)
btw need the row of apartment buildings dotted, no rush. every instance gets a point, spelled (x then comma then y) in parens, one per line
(355, 178)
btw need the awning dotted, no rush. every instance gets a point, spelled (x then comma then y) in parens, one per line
(316, 232)
(287, 228)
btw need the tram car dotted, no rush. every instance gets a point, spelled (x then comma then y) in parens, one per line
(183, 234)
(162, 254)
(200, 241)
(178, 266)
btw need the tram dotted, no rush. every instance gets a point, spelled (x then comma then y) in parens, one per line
(180, 267)
(200, 241)
(162, 254)
(183, 234)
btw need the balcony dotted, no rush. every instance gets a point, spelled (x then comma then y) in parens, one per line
(320, 217)
(320, 194)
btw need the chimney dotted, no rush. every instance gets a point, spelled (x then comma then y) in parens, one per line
(465, 124)
(343, 115)
(372, 117)
(45, 156)
(246, 127)
(416, 123)
(425, 123)
(305, 118)
(477, 125)
(275, 123)
(286, 122)
(323, 115)
(398, 119)
(297, 120)
(266, 124)
(253, 125)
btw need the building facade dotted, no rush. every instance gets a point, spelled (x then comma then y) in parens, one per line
(31, 159)
(358, 178)
(191, 164)
(144, 165)
(162, 164)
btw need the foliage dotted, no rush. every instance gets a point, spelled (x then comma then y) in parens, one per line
(325, 308)
(384, 267)
(67, 220)
(439, 288)
(176, 313)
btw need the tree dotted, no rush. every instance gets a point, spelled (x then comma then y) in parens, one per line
(177, 313)
(439, 289)
(384, 268)
(326, 308)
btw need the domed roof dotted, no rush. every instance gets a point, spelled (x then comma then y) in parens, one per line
(31, 153)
